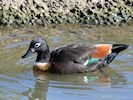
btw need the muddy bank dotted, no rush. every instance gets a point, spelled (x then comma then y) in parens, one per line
(61, 11)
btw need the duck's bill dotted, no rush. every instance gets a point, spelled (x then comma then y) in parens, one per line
(28, 53)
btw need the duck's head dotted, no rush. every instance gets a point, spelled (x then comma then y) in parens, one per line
(40, 47)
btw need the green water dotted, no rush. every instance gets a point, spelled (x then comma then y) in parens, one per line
(19, 82)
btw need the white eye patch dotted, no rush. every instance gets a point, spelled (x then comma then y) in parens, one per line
(37, 45)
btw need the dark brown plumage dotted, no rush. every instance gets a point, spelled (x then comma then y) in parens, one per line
(73, 58)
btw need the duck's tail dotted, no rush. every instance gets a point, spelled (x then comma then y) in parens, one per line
(115, 50)
(107, 52)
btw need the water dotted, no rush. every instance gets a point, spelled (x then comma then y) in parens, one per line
(19, 82)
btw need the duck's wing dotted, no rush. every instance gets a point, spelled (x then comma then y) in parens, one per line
(77, 53)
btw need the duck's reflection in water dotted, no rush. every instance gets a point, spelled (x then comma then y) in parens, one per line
(80, 81)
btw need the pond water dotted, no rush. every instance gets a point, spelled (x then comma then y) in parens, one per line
(19, 82)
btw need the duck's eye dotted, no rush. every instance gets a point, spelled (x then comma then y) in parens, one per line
(37, 45)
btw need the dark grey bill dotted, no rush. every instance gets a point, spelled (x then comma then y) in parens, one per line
(28, 53)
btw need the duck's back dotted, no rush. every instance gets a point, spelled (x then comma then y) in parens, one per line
(83, 58)
(71, 58)
(73, 52)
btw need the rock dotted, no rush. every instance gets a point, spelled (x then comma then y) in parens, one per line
(65, 11)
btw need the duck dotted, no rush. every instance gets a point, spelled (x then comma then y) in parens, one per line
(72, 58)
